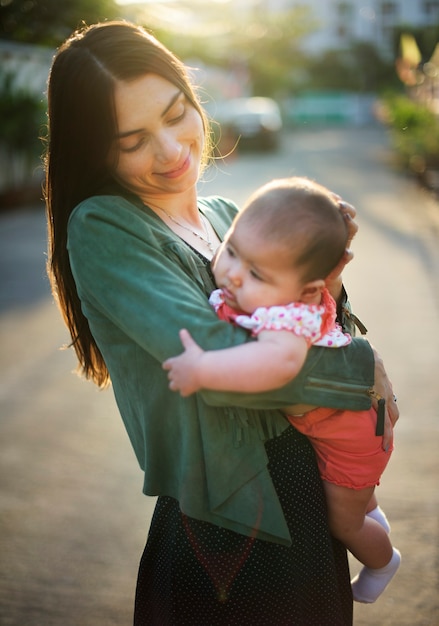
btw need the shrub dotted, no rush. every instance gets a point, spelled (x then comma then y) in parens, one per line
(415, 133)
(21, 120)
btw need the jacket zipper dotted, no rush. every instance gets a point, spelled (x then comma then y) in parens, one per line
(345, 388)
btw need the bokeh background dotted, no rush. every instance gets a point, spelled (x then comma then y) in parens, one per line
(356, 87)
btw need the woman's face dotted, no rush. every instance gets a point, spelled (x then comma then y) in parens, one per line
(159, 140)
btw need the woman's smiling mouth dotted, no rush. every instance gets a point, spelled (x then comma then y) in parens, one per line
(178, 171)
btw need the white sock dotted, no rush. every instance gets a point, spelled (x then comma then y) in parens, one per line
(379, 516)
(369, 584)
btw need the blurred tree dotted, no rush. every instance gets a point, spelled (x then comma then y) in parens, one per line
(266, 43)
(270, 43)
(21, 117)
(359, 69)
(49, 22)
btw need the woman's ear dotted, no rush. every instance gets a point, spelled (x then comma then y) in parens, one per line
(312, 292)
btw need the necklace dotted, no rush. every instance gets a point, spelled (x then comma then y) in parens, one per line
(206, 239)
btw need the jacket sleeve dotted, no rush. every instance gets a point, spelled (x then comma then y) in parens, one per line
(339, 378)
(141, 279)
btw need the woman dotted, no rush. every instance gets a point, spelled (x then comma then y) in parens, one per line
(239, 534)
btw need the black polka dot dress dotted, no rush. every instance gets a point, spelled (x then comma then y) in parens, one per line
(193, 573)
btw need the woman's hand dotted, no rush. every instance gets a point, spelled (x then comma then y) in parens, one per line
(383, 388)
(334, 280)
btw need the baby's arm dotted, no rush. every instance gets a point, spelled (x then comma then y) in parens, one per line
(268, 363)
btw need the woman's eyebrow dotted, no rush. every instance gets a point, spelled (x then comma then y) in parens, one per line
(169, 106)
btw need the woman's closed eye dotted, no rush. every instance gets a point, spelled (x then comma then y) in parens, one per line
(142, 140)
(177, 112)
(178, 118)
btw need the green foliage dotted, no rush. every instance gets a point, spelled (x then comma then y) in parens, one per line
(359, 69)
(406, 114)
(49, 22)
(415, 132)
(21, 115)
(21, 119)
(270, 46)
(266, 43)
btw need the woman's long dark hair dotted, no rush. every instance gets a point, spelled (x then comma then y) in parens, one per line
(82, 125)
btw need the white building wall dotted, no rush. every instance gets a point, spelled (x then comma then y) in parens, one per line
(341, 21)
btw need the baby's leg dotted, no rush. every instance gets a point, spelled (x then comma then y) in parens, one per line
(376, 512)
(364, 537)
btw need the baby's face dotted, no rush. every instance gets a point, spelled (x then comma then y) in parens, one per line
(253, 273)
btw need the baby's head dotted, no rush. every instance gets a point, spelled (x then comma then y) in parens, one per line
(301, 217)
(288, 238)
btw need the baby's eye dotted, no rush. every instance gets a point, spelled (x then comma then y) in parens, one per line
(230, 252)
(255, 275)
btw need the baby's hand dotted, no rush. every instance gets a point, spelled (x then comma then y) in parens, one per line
(183, 369)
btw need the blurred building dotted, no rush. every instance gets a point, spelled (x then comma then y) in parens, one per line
(339, 22)
(28, 64)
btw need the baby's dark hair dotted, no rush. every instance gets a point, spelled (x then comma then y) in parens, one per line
(304, 217)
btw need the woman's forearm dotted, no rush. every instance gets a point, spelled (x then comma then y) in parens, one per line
(340, 378)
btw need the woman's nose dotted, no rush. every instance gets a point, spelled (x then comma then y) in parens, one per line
(168, 148)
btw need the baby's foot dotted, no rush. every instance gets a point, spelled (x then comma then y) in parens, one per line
(369, 584)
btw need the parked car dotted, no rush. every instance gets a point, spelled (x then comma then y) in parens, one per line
(253, 122)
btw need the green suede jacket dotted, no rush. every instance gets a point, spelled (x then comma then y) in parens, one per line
(139, 284)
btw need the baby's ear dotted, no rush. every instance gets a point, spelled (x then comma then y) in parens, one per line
(312, 292)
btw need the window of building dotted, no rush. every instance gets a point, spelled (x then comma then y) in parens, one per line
(431, 8)
(389, 8)
(344, 9)
(344, 18)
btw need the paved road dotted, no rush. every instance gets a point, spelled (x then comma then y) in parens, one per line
(72, 517)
